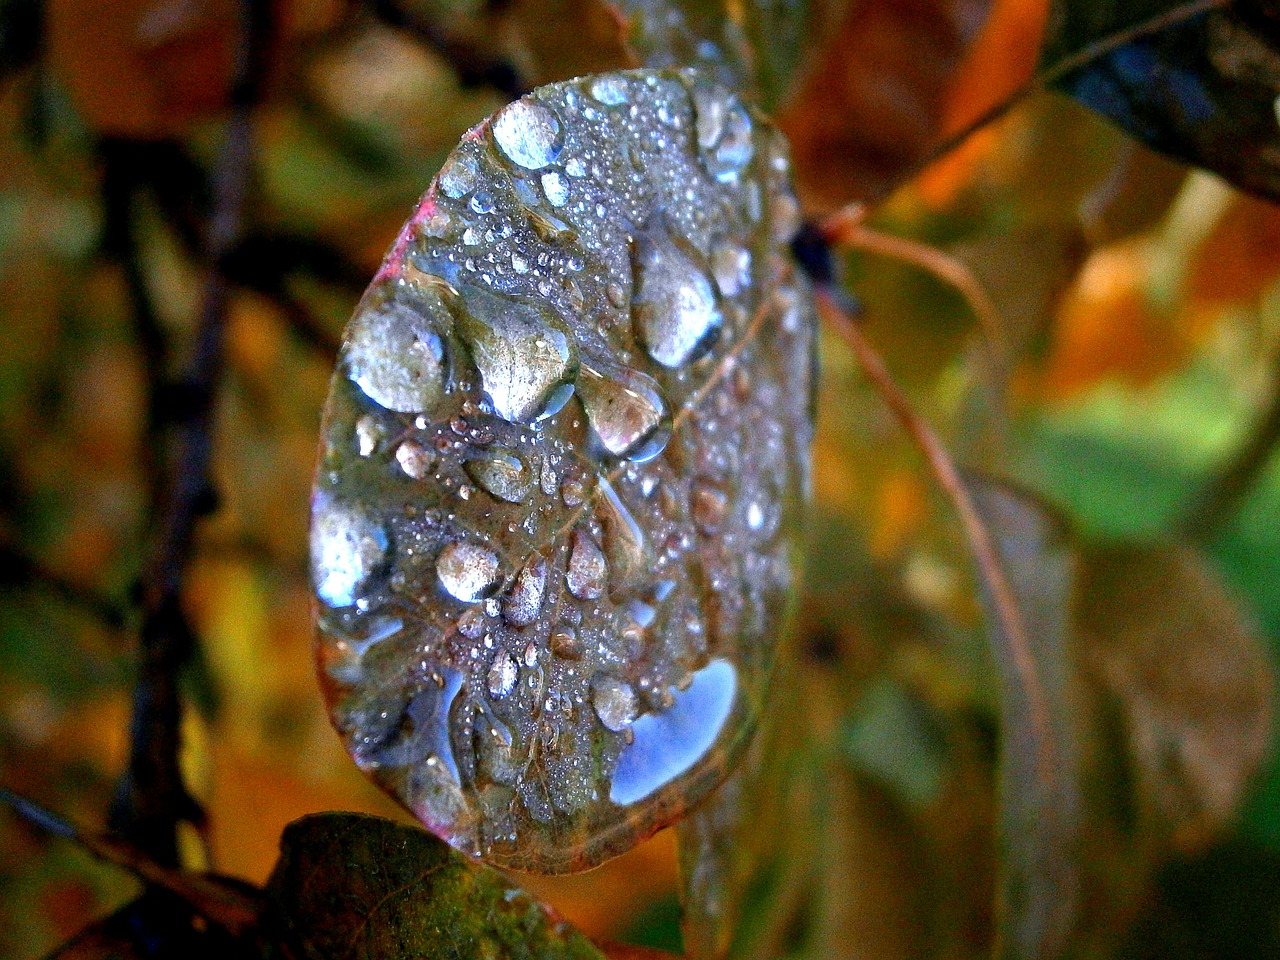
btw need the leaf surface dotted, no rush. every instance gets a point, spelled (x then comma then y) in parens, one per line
(562, 459)
(355, 887)
(1199, 81)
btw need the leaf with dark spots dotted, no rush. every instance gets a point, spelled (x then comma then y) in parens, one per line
(564, 454)
(1039, 791)
(355, 887)
(1199, 80)
(1187, 676)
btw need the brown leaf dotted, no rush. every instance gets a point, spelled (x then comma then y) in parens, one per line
(1191, 682)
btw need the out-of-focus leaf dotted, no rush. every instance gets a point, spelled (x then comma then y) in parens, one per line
(154, 927)
(1199, 84)
(754, 47)
(353, 887)
(893, 742)
(873, 102)
(1039, 790)
(1188, 678)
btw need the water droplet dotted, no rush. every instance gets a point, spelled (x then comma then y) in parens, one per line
(572, 490)
(482, 202)
(674, 306)
(471, 623)
(368, 433)
(755, 515)
(415, 460)
(710, 507)
(615, 702)
(610, 89)
(784, 211)
(531, 655)
(523, 604)
(467, 571)
(724, 132)
(625, 545)
(503, 674)
(626, 412)
(396, 356)
(587, 570)
(555, 188)
(423, 728)
(564, 643)
(502, 474)
(458, 175)
(528, 133)
(731, 265)
(437, 224)
(523, 351)
(347, 548)
(547, 479)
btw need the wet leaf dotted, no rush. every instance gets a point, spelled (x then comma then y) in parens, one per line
(1039, 791)
(354, 887)
(563, 454)
(1199, 84)
(1188, 678)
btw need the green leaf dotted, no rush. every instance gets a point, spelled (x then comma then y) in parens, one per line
(563, 459)
(355, 887)
(1197, 80)
(1039, 791)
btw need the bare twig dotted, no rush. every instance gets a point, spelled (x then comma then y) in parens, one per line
(222, 902)
(153, 798)
(1004, 603)
(19, 568)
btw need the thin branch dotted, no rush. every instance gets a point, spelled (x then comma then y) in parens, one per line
(1005, 610)
(22, 569)
(1221, 497)
(153, 798)
(847, 227)
(219, 901)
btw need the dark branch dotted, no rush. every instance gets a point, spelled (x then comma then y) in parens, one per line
(23, 570)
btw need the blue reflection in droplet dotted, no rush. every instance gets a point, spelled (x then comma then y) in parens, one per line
(669, 742)
(428, 713)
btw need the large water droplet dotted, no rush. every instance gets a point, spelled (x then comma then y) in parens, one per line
(503, 474)
(587, 569)
(528, 133)
(731, 265)
(724, 132)
(674, 307)
(610, 89)
(667, 743)
(626, 412)
(625, 546)
(395, 354)
(468, 572)
(347, 548)
(615, 702)
(555, 188)
(415, 459)
(458, 175)
(422, 732)
(523, 351)
(523, 604)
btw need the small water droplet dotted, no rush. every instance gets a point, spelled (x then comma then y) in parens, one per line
(724, 132)
(502, 474)
(587, 569)
(555, 188)
(572, 490)
(396, 356)
(731, 265)
(626, 412)
(468, 571)
(368, 433)
(530, 655)
(710, 507)
(610, 89)
(615, 702)
(564, 643)
(755, 515)
(575, 167)
(674, 306)
(528, 133)
(523, 351)
(523, 604)
(437, 224)
(482, 202)
(471, 623)
(458, 176)
(347, 548)
(547, 480)
(503, 674)
(415, 460)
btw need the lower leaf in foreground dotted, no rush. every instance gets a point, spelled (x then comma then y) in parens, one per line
(354, 887)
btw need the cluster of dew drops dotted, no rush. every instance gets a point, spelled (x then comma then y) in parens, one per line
(558, 281)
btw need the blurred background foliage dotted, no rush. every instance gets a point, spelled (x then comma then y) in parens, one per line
(1139, 301)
